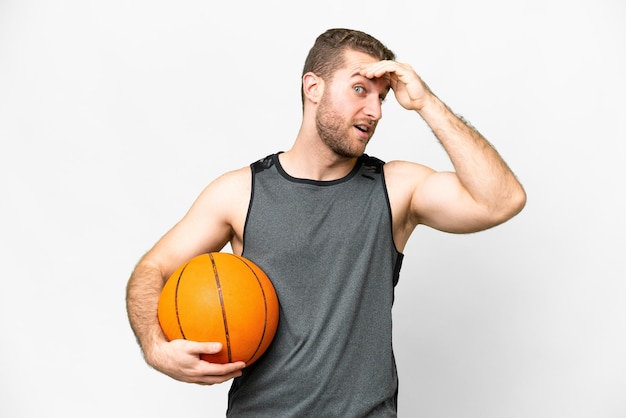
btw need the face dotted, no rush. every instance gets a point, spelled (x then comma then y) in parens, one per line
(350, 107)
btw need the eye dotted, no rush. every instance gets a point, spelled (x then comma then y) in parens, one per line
(359, 89)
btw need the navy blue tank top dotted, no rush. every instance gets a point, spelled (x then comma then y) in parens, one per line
(328, 248)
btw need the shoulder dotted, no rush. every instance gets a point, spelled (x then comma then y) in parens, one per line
(229, 189)
(404, 173)
(235, 178)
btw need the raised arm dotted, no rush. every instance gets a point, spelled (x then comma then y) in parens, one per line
(481, 193)
(214, 219)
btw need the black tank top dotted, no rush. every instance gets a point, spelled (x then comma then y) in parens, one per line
(328, 248)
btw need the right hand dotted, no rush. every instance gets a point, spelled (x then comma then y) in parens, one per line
(180, 359)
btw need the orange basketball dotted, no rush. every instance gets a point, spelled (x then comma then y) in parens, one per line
(221, 297)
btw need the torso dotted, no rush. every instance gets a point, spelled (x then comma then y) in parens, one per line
(328, 248)
(399, 189)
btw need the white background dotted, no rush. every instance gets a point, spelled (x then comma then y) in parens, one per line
(115, 114)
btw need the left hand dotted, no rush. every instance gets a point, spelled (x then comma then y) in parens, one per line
(410, 91)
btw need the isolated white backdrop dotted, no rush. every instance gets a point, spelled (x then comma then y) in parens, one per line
(114, 115)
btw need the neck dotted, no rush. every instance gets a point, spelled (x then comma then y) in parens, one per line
(309, 158)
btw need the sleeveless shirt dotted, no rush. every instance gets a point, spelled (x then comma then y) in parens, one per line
(328, 248)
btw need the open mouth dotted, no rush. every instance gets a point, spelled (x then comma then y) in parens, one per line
(363, 128)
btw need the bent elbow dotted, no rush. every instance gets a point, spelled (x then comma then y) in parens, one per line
(518, 201)
(510, 206)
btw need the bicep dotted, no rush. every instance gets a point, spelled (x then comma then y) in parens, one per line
(440, 201)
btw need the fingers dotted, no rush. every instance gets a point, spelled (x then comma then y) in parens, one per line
(206, 348)
(409, 89)
(180, 359)
(397, 74)
(206, 373)
(380, 68)
(213, 373)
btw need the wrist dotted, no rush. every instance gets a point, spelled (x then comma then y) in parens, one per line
(431, 106)
(151, 347)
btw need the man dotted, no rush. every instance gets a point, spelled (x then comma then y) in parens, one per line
(328, 224)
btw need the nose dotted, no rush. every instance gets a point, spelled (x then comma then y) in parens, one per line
(373, 108)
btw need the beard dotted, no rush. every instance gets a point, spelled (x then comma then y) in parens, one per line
(335, 131)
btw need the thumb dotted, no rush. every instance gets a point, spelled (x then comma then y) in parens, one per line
(209, 347)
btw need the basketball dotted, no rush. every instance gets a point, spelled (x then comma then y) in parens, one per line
(221, 297)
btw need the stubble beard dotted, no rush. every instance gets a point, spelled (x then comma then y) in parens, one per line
(334, 131)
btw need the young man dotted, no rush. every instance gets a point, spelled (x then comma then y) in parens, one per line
(328, 224)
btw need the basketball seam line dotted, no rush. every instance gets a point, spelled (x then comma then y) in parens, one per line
(180, 325)
(221, 297)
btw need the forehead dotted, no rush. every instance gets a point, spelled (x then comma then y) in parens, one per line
(353, 60)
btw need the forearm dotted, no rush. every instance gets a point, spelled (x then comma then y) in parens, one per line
(478, 166)
(142, 298)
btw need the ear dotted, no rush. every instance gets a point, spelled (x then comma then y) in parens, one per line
(312, 87)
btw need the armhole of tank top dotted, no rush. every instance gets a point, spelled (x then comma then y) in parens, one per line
(245, 224)
(384, 181)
